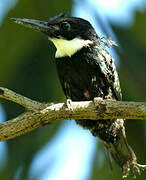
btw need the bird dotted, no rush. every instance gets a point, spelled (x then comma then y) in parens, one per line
(87, 71)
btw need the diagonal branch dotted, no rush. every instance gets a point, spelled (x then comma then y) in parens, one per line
(19, 99)
(38, 114)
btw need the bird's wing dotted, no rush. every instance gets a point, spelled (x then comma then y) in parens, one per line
(108, 69)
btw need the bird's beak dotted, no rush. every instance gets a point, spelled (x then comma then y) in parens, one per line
(41, 26)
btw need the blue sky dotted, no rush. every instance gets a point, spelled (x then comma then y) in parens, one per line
(3, 150)
(74, 147)
(5, 6)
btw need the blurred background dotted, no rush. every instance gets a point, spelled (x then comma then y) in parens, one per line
(63, 150)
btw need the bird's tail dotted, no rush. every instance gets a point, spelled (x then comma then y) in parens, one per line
(123, 154)
(108, 157)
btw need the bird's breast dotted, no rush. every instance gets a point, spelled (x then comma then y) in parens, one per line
(80, 79)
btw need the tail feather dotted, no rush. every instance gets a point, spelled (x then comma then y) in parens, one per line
(108, 157)
(123, 154)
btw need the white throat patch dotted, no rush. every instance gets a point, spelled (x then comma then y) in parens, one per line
(69, 47)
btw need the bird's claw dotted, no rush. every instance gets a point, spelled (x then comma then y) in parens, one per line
(69, 104)
(97, 100)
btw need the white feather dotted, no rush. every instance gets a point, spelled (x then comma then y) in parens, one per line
(69, 47)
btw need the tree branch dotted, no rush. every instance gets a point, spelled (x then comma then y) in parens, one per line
(38, 114)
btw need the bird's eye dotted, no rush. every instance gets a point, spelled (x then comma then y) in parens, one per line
(65, 26)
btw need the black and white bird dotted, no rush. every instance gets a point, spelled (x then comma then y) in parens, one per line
(86, 70)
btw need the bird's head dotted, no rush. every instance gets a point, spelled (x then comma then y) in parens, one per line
(69, 34)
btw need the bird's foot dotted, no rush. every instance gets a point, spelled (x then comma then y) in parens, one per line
(69, 104)
(99, 105)
(97, 100)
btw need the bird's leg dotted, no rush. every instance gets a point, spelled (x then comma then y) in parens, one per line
(69, 104)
